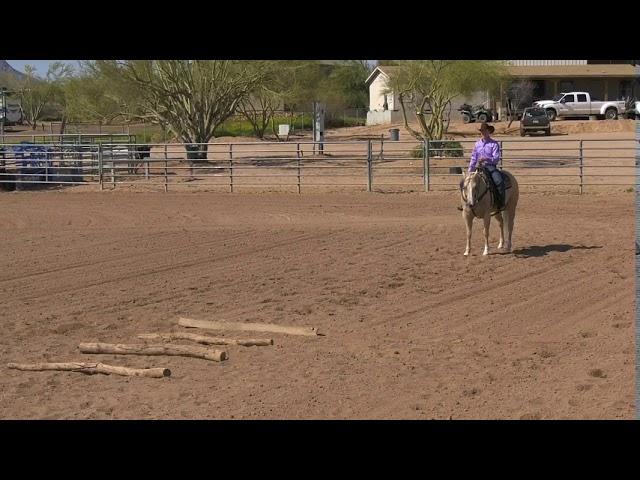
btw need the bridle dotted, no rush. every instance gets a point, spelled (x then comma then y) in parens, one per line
(463, 193)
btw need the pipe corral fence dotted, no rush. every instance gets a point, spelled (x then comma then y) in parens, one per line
(368, 165)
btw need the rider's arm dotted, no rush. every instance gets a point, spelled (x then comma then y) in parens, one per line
(495, 154)
(474, 158)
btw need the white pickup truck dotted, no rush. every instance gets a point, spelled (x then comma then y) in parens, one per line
(580, 104)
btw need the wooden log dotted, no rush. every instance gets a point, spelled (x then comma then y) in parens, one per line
(259, 342)
(253, 327)
(92, 369)
(144, 349)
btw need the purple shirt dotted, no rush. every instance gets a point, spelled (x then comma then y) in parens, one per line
(487, 149)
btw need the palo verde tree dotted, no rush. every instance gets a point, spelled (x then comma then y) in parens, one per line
(427, 88)
(189, 98)
(89, 97)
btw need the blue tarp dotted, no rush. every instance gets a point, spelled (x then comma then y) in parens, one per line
(34, 163)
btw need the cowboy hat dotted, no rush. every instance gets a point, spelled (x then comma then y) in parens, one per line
(486, 126)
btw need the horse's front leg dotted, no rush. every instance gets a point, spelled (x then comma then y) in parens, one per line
(501, 224)
(468, 220)
(487, 223)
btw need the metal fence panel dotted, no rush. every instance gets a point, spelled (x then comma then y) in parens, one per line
(369, 165)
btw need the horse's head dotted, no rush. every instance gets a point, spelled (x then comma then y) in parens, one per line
(472, 188)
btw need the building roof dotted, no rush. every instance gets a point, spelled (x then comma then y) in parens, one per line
(593, 71)
(385, 70)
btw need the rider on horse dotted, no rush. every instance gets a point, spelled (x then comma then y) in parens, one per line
(486, 152)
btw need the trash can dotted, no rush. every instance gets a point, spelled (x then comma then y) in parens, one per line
(395, 134)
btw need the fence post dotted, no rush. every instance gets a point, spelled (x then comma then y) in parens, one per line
(581, 169)
(231, 166)
(166, 177)
(113, 169)
(299, 172)
(425, 156)
(369, 167)
(100, 166)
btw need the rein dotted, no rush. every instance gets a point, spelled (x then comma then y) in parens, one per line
(479, 198)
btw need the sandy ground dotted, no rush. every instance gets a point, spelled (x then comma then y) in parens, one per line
(457, 129)
(412, 328)
(559, 128)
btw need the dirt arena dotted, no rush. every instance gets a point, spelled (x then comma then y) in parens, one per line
(413, 330)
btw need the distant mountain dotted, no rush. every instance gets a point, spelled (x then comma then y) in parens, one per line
(6, 68)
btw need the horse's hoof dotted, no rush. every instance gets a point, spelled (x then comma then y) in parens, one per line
(466, 254)
(485, 253)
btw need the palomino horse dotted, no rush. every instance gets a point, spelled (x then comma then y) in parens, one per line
(478, 202)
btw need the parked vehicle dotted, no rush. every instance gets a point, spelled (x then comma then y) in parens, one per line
(10, 109)
(534, 119)
(580, 104)
(478, 113)
(633, 111)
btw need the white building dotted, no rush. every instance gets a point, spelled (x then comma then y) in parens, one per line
(604, 79)
(384, 108)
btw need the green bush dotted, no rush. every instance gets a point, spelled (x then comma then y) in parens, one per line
(445, 148)
(342, 122)
(439, 148)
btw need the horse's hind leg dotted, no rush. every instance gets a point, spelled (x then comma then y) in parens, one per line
(487, 223)
(501, 223)
(509, 218)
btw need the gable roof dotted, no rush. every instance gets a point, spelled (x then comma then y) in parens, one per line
(385, 70)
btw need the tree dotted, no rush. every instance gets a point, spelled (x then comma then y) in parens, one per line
(339, 86)
(189, 98)
(89, 98)
(347, 83)
(37, 93)
(427, 88)
(519, 95)
(269, 96)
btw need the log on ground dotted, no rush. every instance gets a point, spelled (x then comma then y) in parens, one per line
(253, 327)
(92, 369)
(206, 340)
(144, 349)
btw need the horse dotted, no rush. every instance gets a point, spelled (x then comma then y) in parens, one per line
(478, 202)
